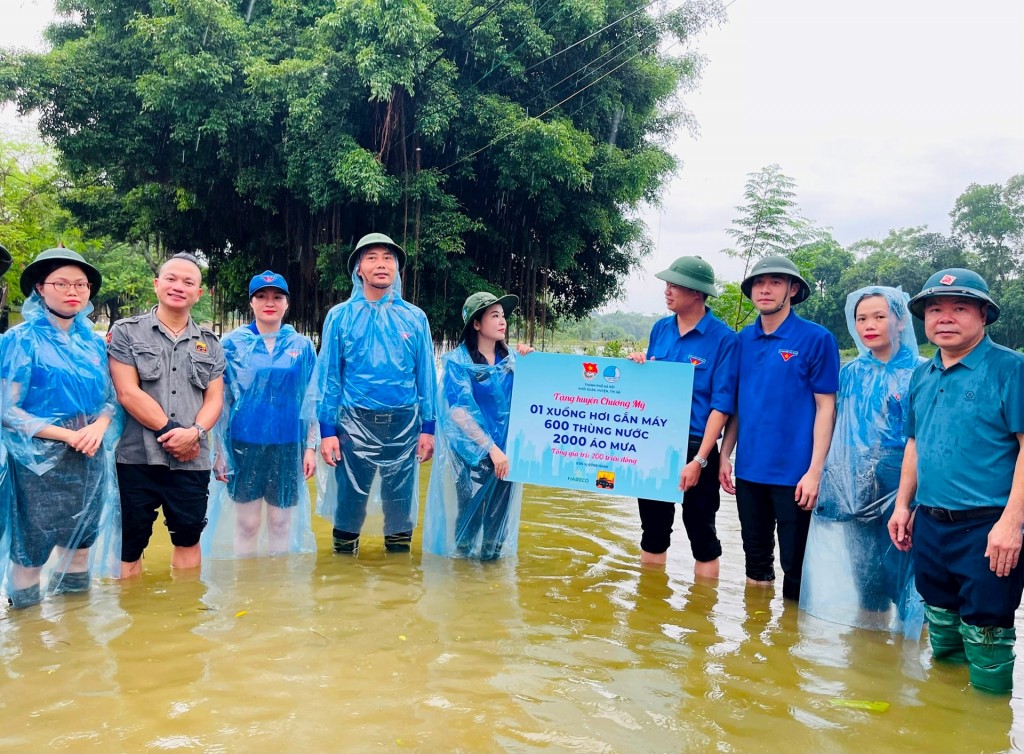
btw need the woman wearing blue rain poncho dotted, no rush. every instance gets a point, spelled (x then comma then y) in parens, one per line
(852, 574)
(60, 425)
(376, 386)
(265, 443)
(472, 510)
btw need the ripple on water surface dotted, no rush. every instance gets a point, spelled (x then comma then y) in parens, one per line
(571, 648)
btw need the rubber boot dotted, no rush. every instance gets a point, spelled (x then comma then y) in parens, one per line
(401, 542)
(346, 542)
(79, 581)
(26, 597)
(944, 634)
(990, 654)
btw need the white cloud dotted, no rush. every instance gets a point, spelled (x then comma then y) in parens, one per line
(883, 112)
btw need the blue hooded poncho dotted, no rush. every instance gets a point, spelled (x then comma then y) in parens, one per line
(63, 500)
(375, 356)
(852, 572)
(470, 512)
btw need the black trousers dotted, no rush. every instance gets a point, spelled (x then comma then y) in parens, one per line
(763, 508)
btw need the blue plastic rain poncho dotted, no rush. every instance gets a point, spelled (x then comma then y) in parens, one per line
(376, 382)
(64, 501)
(853, 574)
(470, 512)
(269, 420)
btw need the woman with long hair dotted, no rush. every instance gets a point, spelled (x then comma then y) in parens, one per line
(472, 509)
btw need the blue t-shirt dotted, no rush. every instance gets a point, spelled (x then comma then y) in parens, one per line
(266, 390)
(780, 373)
(965, 421)
(713, 349)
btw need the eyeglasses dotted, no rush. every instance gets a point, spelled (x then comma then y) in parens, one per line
(62, 286)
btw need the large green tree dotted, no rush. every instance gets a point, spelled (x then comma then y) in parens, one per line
(990, 220)
(33, 219)
(506, 144)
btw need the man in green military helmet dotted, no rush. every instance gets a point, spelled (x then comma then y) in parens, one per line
(963, 473)
(785, 410)
(691, 334)
(377, 390)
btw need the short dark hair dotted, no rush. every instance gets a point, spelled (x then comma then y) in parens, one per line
(186, 257)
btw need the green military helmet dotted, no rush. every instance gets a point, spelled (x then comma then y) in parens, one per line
(691, 272)
(777, 265)
(376, 239)
(955, 281)
(50, 260)
(479, 302)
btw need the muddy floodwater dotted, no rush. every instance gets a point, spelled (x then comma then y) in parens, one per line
(571, 648)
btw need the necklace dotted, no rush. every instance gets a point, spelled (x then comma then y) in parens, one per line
(173, 332)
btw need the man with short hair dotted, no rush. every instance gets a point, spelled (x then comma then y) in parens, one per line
(377, 394)
(964, 471)
(789, 375)
(693, 335)
(167, 372)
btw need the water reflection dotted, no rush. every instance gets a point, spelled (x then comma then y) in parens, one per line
(574, 647)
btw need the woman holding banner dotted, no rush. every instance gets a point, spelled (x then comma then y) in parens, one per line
(472, 509)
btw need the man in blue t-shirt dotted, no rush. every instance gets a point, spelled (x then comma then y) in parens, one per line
(964, 470)
(693, 335)
(785, 411)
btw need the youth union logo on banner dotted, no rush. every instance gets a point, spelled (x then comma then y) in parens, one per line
(589, 370)
(612, 374)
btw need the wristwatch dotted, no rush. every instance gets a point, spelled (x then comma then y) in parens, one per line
(202, 432)
(702, 462)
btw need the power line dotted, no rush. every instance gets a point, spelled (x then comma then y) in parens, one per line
(570, 97)
(582, 68)
(538, 117)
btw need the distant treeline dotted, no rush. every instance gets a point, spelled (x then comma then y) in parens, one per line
(615, 326)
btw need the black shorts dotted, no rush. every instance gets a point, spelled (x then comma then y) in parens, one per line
(60, 508)
(700, 506)
(266, 472)
(182, 493)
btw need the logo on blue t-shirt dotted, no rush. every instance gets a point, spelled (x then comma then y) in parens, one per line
(787, 354)
(696, 360)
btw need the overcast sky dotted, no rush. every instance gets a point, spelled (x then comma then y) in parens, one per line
(882, 111)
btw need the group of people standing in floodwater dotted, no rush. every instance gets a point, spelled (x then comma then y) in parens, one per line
(895, 485)
(849, 467)
(222, 435)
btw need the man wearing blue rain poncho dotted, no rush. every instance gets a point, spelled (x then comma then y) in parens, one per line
(60, 424)
(376, 380)
(472, 510)
(852, 573)
(265, 445)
